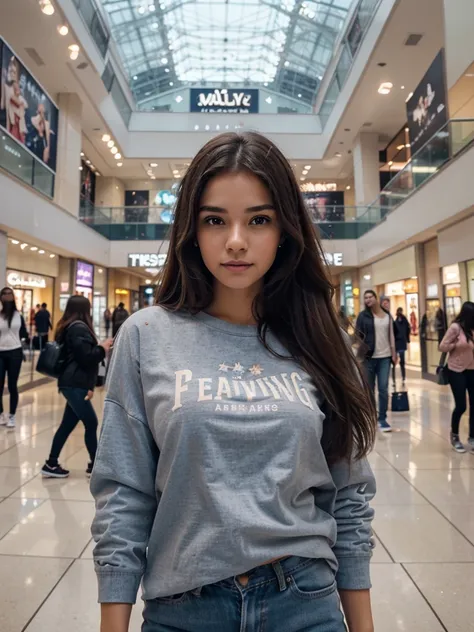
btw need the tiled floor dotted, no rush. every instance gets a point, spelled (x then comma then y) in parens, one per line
(423, 565)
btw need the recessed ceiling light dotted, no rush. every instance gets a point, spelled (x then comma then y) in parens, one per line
(409, 97)
(41, 252)
(118, 155)
(286, 64)
(46, 7)
(80, 168)
(151, 8)
(153, 177)
(23, 246)
(63, 30)
(82, 154)
(52, 256)
(106, 138)
(179, 98)
(154, 25)
(407, 129)
(135, 77)
(338, 154)
(269, 100)
(113, 150)
(196, 127)
(88, 162)
(302, 179)
(348, 187)
(307, 167)
(299, 96)
(153, 164)
(15, 241)
(164, 60)
(141, 10)
(385, 87)
(304, 172)
(167, 69)
(408, 145)
(119, 164)
(402, 87)
(390, 163)
(399, 147)
(171, 83)
(110, 143)
(97, 173)
(147, 281)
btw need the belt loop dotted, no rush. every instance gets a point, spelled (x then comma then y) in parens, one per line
(280, 575)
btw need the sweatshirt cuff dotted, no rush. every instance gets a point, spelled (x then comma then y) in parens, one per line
(117, 587)
(354, 573)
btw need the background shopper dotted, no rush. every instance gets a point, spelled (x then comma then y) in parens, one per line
(225, 383)
(377, 330)
(12, 332)
(43, 325)
(119, 316)
(82, 356)
(402, 340)
(107, 321)
(459, 343)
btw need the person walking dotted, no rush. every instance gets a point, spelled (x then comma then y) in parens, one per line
(458, 342)
(12, 332)
(119, 316)
(107, 321)
(82, 356)
(402, 340)
(377, 329)
(231, 472)
(43, 325)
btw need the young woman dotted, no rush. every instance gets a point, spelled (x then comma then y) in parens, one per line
(459, 343)
(12, 332)
(82, 356)
(231, 475)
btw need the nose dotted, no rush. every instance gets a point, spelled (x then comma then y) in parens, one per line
(236, 240)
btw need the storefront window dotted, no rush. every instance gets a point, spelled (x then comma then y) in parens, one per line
(99, 302)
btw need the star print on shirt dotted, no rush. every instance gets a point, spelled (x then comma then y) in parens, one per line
(256, 370)
(225, 368)
(238, 368)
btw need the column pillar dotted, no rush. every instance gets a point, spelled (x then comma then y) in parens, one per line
(68, 183)
(366, 170)
(3, 258)
(459, 43)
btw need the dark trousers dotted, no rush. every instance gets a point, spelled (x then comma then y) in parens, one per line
(401, 355)
(460, 383)
(10, 364)
(77, 409)
(107, 328)
(378, 369)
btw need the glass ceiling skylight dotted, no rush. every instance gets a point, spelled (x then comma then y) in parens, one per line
(285, 45)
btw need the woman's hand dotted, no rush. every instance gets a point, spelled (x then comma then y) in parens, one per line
(106, 345)
(89, 396)
(115, 617)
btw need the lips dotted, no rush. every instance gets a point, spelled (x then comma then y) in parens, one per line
(237, 266)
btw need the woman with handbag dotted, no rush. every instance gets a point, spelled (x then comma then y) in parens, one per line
(12, 332)
(458, 342)
(82, 355)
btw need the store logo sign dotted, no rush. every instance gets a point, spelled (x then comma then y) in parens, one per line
(84, 274)
(20, 279)
(334, 258)
(233, 101)
(146, 260)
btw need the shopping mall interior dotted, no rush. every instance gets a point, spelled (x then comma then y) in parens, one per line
(104, 104)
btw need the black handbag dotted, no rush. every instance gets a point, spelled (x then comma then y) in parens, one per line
(51, 360)
(442, 372)
(400, 402)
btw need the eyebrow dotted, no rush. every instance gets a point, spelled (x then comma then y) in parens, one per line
(251, 209)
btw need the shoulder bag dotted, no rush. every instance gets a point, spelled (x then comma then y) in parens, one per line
(442, 372)
(51, 360)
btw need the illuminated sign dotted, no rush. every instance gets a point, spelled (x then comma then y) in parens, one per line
(334, 258)
(318, 187)
(15, 279)
(146, 260)
(231, 101)
(84, 274)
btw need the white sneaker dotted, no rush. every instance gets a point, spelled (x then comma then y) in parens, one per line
(3, 419)
(11, 423)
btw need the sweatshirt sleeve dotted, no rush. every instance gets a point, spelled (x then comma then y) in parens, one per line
(355, 485)
(123, 479)
(450, 338)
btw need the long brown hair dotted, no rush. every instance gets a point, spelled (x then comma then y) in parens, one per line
(295, 302)
(8, 307)
(78, 308)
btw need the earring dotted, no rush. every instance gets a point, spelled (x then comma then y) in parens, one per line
(195, 244)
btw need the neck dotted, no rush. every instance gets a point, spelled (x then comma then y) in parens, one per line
(233, 306)
(377, 310)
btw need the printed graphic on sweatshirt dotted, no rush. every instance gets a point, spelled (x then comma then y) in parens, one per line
(240, 389)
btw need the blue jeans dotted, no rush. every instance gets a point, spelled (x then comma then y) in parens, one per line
(291, 595)
(379, 369)
(77, 409)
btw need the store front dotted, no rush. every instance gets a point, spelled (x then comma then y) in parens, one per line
(30, 290)
(404, 294)
(452, 293)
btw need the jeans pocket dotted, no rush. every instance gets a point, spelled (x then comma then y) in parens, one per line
(313, 581)
(173, 600)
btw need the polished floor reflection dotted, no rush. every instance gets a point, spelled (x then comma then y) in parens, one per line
(423, 565)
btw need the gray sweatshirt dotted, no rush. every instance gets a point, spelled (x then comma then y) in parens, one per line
(210, 463)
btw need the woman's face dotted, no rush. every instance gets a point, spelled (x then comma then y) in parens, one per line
(238, 230)
(6, 296)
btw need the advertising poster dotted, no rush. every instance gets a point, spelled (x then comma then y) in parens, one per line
(427, 110)
(26, 112)
(325, 206)
(84, 274)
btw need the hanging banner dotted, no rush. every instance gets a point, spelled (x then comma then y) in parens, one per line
(427, 109)
(27, 113)
(228, 100)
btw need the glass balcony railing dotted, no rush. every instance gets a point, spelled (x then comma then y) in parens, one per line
(95, 23)
(22, 164)
(443, 146)
(153, 222)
